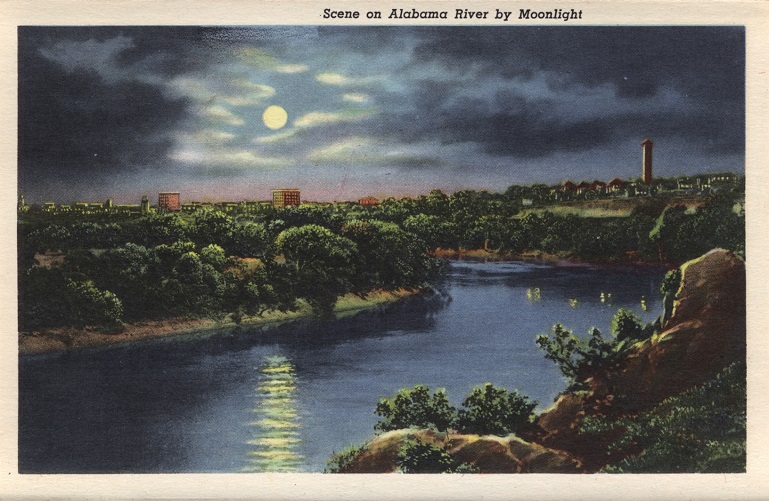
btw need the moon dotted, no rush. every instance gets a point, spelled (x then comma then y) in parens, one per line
(275, 117)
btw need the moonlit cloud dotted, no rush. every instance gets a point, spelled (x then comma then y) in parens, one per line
(355, 97)
(319, 118)
(278, 137)
(340, 80)
(221, 114)
(292, 68)
(228, 159)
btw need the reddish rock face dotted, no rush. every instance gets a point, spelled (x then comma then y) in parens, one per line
(705, 334)
(488, 454)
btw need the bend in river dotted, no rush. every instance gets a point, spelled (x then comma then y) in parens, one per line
(286, 398)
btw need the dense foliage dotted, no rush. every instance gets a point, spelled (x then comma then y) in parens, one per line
(700, 431)
(487, 410)
(494, 411)
(208, 265)
(415, 408)
(213, 263)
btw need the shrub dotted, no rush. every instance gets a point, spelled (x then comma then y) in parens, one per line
(418, 457)
(415, 408)
(341, 461)
(626, 325)
(495, 411)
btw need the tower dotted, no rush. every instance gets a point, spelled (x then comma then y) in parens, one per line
(145, 205)
(646, 174)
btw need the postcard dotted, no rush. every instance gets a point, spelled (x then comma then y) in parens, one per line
(436, 250)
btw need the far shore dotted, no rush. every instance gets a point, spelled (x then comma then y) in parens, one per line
(484, 255)
(63, 339)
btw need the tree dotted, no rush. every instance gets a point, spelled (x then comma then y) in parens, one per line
(250, 239)
(92, 306)
(489, 410)
(579, 359)
(213, 227)
(321, 263)
(415, 408)
(666, 230)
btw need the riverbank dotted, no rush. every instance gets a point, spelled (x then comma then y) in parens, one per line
(484, 255)
(62, 339)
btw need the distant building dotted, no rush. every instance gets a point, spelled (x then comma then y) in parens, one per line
(646, 175)
(169, 202)
(616, 185)
(285, 197)
(368, 202)
(145, 205)
(598, 186)
(583, 186)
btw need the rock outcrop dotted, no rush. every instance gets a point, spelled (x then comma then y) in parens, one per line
(705, 334)
(487, 454)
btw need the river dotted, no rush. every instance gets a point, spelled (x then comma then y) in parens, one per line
(285, 399)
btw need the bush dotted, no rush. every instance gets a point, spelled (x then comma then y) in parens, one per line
(495, 411)
(626, 325)
(415, 408)
(341, 461)
(418, 457)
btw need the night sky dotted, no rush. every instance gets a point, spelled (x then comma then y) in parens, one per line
(124, 111)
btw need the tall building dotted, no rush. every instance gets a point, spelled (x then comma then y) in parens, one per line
(169, 202)
(285, 197)
(145, 205)
(646, 175)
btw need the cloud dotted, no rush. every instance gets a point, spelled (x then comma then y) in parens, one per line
(221, 114)
(228, 158)
(278, 137)
(356, 97)
(292, 68)
(98, 56)
(317, 118)
(208, 136)
(264, 60)
(369, 151)
(340, 80)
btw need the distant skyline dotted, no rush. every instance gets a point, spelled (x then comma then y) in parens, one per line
(230, 113)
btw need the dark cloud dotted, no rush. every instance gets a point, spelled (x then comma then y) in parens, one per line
(75, 126)
(704, 65)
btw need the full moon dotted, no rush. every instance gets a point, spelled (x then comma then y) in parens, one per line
(275, 117)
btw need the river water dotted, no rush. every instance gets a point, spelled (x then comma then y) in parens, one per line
(285, 399)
